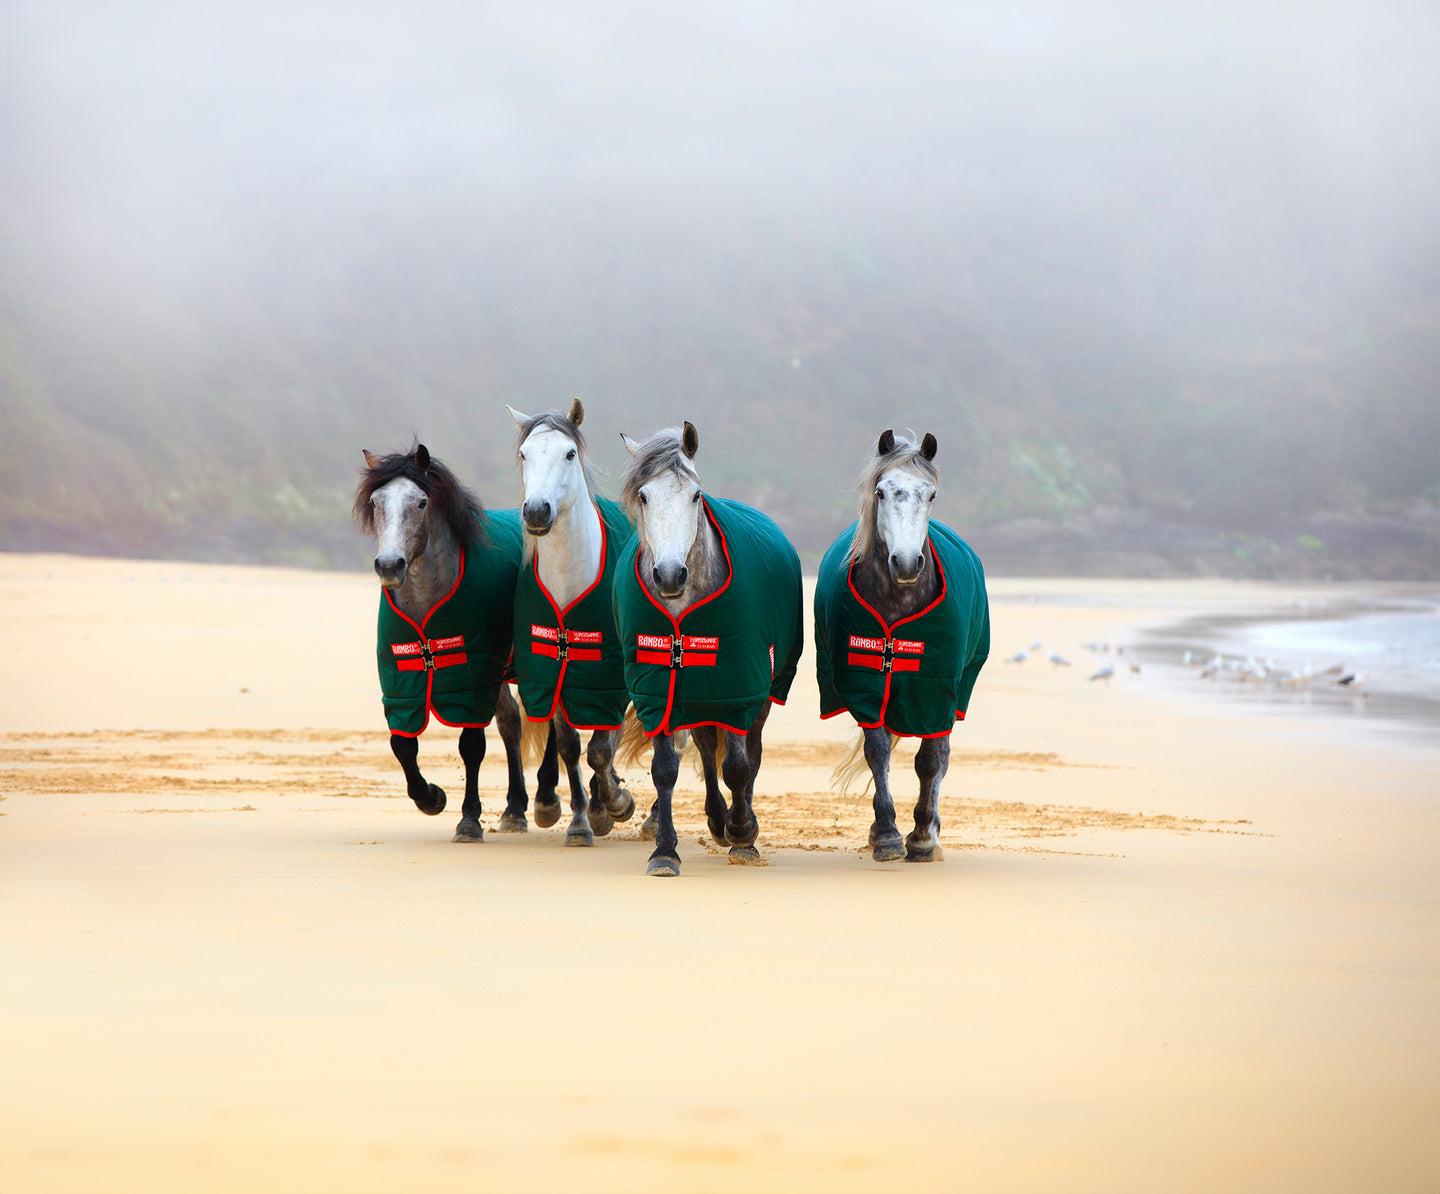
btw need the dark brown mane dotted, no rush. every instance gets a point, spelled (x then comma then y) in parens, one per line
(460, 508)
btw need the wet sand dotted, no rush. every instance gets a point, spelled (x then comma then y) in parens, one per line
(1170, 947)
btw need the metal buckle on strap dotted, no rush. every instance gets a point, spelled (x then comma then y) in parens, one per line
(426, 653)
(677, 651)
(562, 648)
(888, 656)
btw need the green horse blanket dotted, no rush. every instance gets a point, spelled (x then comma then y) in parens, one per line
(451, 663)
(727, 654)
(569, 660)
(915, 677)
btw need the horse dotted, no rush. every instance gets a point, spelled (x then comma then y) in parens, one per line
(708, 606)
(440, 555)
(902, 629)
(567, 656)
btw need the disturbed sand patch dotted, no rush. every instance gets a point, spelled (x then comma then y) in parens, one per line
(224, 770)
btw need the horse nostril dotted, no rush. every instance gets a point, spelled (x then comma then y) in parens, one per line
(655, 576)
(682, 576)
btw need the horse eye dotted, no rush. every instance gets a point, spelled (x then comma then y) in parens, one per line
(696, 498)
(931, 497)
(424, 502)
(879, 495)
(570, 455)
(644, 501)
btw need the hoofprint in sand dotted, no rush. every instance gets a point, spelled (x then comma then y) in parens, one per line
(1170, 946)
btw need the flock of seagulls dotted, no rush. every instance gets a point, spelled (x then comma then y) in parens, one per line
(1218, 666)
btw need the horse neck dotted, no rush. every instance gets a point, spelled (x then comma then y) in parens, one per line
(705, 564)
(568, 558)
(891, 601)
(431, 574)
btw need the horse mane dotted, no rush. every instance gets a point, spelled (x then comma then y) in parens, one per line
(460, 508)
(905, 455)
(662, 452)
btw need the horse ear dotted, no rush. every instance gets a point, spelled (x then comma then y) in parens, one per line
(630, 445)
(371, 460)
(690, 440)
(928, 446)
(520, 420)
(422, 457)
(887, 442)
(577, 412)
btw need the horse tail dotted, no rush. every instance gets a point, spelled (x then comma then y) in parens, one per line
(534, 735)
(853, 765)
(633, 742)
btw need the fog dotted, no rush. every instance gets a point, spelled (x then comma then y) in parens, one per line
(1150, 273)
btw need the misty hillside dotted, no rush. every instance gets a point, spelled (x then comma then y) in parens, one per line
(1167, 294)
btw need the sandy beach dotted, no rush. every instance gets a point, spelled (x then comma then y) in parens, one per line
(1171, 947)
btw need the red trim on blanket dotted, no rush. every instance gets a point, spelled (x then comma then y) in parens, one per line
(675, 622)
(430, 709)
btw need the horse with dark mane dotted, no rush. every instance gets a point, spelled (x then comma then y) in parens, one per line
(708, 606)
(568, 661)
(902, 629)
(447, 572)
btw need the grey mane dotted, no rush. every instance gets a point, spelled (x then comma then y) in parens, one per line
(662, 452)
(905, 455)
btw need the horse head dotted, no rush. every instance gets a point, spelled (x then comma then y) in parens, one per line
(901, 481)
(662, 493)
(551, 454)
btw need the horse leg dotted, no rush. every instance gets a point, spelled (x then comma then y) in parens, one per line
(605, 783)
(886, 844)
(578, 832)
(664, 770)
(472, 753)
(706, 740)
(742, 762)
(598, 805)
(547, 803)
(429, 799)
(507, 719)
(932, 761)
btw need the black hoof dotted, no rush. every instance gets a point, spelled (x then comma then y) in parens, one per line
(915, 854)
(547, 812)
(579, 836)
(746, 856)
(887, 849)
(662, 866)
(717, 831)
(600, 820)
(624, 807)
(512, 823)
(468, 831)
(433, 802)
(648, 827)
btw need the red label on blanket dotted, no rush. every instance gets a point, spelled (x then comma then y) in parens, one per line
(909, 647)
(867, 644)
(658, 642)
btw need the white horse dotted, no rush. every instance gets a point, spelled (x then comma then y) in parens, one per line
(565, 539)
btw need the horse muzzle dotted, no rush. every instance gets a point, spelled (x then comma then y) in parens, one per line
(670, 580)
(538, 517)
(906, 572)
(391, 570)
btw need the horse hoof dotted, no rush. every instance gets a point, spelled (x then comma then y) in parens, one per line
(746, 856)
(575, 836)
(745, 835)
(624, 807)
(717, 832)
(933, 854)
(887, 849)
(600, 820)
(512, 823)
(547, 812)
(468, 831)
(433, 803)
(647, 828)
(662, 866)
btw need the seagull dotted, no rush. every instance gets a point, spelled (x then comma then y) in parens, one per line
(1056, 658)
(1104, 673)
(1350, 678)
(1092, 646)
(1037, 644)
(1020, 656)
